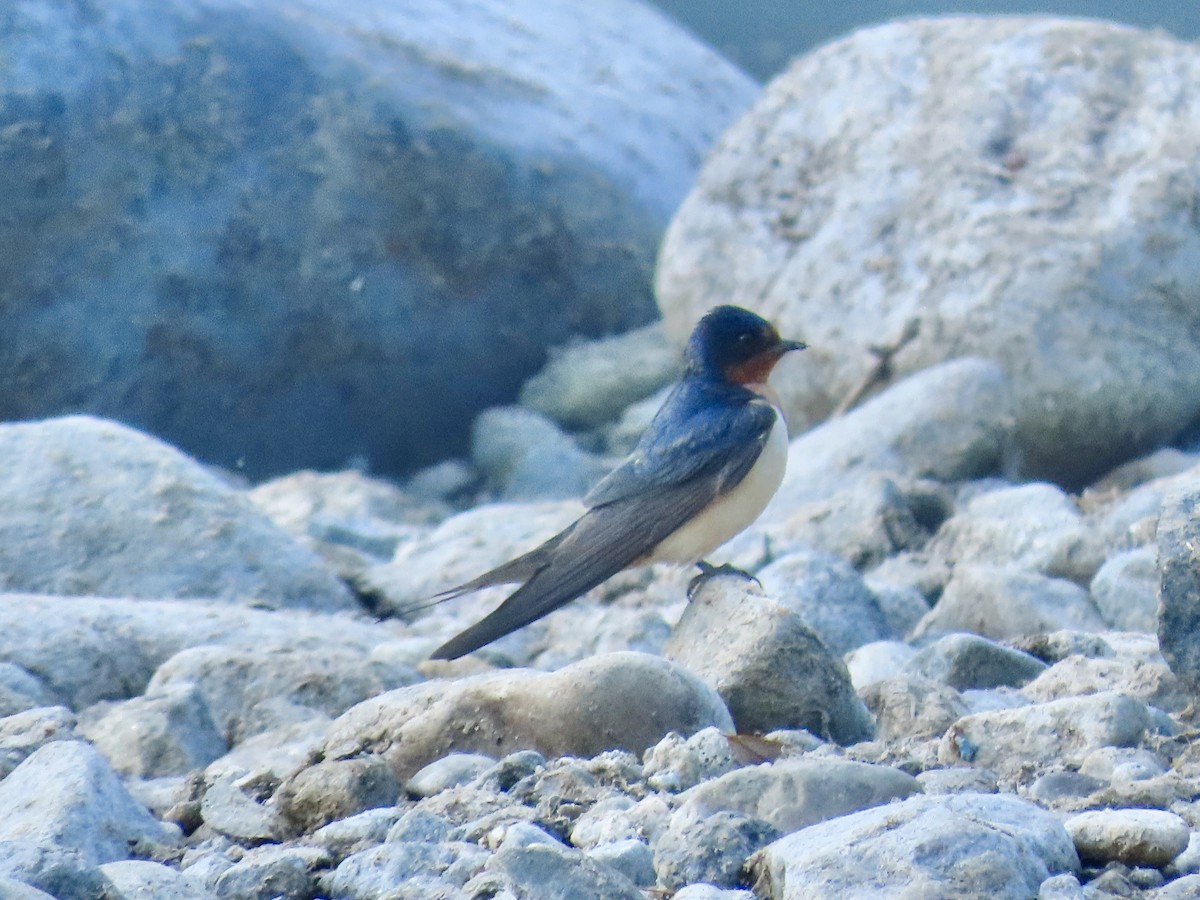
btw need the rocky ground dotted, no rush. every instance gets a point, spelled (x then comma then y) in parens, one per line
(944, 682)
(947, 678)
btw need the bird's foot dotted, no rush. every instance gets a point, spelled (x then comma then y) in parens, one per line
(708, 570)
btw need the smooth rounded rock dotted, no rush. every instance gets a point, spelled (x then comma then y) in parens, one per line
(1179, 579)
(1135, 837)
(966, 661)
(612, 701)
(995, 235)
(272, 221)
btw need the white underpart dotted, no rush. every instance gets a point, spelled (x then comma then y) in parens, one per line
(734, 511)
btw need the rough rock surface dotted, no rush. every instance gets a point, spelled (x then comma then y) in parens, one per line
(993, 846)
(771, 670)
(94, 508)
(288, 203)
(1047, 166)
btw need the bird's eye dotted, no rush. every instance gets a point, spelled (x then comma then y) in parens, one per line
(745, 337)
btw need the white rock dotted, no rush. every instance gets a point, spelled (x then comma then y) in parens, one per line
(990, 845)
(67, 795)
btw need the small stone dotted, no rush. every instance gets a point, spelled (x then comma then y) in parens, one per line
(1135, 837)
(451, 770)
(958, 781)
(611, 701)
(877, 661)
(966, 661)
(136, 878)
(354, 833)
(552, 870)
(768, 666)
(908, 706)
(1125, 590)
(631, 857)
(710, 892)
(333, 789)
(713, 849)
(525, 456)
(676, 763)
(1060, 730)
(61, 872)
(587, 384)
(231, 808)
(1002, 603)
(270, 872)
(829, 596)
(790, 794)
(169, 732)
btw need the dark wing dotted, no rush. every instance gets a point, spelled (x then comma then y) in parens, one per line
(693, 434)
(618, 532)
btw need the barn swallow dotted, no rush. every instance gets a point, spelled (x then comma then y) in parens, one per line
(703, 470)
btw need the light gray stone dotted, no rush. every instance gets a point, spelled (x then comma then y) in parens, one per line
(877, 661)
(768, 666)
(631, 857)
(233, 680)
(991, 845)
(29, 867)
(234, 808)
(613, 701)
(555, 872)
(92, 507)
(1148, 680)
(585, 385)
(1003, 603)
(20, 690)
(947, 423)
(1059, 730)
(262, 290)
(134, 879)
(371, 873)
(791, 794)
(1179, 581)
(911, 706)
(169, 732)
(525, 456)
(710, 892)
(1125, 590)
(677, 763)
(23, 733)
(1135, 837)
(830, 598)
(266, 873)
(997, 235)
(712, 850)
(964, 661)
(354, 833)
(1032, 527)
(456, 768)
(66, 795)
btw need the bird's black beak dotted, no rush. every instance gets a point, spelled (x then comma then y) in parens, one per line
(789, 346)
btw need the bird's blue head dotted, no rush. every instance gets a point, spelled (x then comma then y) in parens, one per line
(735, 345)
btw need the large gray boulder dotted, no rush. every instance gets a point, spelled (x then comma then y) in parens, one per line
(1021, 186)
(91, 507)
(294, 233)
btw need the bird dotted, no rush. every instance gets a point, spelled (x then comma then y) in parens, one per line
(706, 466)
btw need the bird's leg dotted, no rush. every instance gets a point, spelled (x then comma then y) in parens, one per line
(708, 570)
